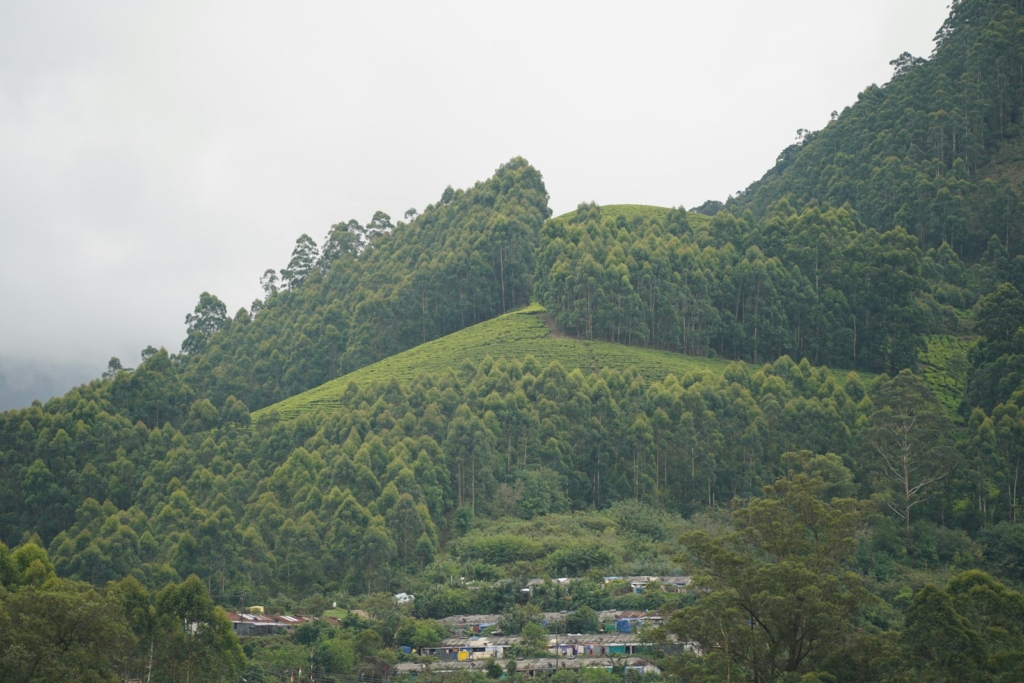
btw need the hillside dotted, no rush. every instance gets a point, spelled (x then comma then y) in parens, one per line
(515, 335)
(519, 334)
(369, 291)
(817, 392)
(936, 150)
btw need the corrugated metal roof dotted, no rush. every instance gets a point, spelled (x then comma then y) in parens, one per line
(533, 664)
(267, 619)
(561, 639)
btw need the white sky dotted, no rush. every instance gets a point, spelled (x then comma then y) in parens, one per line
(150, 151)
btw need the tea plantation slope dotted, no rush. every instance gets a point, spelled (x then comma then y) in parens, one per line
(514, 335)
(518, 334)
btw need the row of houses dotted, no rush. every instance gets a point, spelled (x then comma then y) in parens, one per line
(671, 584)
(562, 645)
(530, 667)
(246, 624)
(623, 621)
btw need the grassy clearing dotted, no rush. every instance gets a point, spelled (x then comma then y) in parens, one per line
(618, 547)
(336, 613)
(513, 335)
(944, 367)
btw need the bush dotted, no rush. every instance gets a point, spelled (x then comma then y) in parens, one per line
(337, 656)
(438, 602)
(513, 620)
(540, 493)
(417, 633)
(576, 560)
(640, 519)
(935, 546)
(582, 620)
(503, 549)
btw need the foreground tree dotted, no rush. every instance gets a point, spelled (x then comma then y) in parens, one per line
(196, 642)
(971, 631)
(61, 631)
(776, 599)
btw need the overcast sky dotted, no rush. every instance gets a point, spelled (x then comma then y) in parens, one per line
(151, 151)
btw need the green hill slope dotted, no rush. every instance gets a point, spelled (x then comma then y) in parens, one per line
(513, 335)
(368, 292)
(521, 333)
(880, 155)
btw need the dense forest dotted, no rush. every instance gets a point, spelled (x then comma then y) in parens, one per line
(812, 284)
(845, 491)
(365, 293)
(932, 151)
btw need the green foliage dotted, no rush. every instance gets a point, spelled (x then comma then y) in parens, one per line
(577, 559)
(197, 640)
(514, 619)
(500, 549)
(59, 630)
(533, 642)
(1004, 549)
(640, 519)
(882, 155)
(356, 498)
(997, 359)
(417, 633)
(813, 283)
(970, 631)
(944, 368)
(637, 213)
(521, 335)
(373, 291)
(912, 438)
(493, 669)
(779, 599)
(582, 620)
(424, 427)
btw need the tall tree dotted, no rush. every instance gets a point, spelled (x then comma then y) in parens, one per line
(209, 316)
(196, 642)
(912, 437)
(775, 600)
(305, 256)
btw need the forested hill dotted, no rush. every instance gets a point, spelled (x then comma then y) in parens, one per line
(481, 395)
(866, 236)
(811, 283)
(936, 150)
(368, 292)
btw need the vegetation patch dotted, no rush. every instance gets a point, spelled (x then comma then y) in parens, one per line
(944, 366)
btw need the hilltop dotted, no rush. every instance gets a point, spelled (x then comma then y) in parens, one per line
(642, 212)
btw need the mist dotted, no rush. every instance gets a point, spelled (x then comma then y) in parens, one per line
(154, 152)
